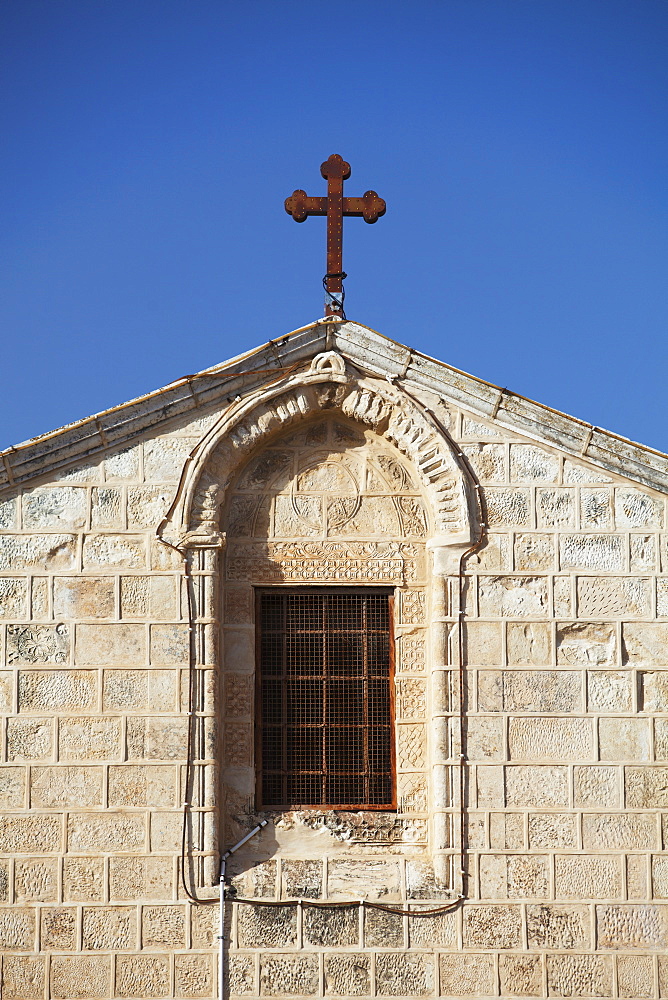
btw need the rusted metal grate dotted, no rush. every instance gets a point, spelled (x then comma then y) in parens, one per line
(325, 734)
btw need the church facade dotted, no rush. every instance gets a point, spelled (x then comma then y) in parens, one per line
(408, 630)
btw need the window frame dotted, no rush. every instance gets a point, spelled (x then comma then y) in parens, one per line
(332, 590)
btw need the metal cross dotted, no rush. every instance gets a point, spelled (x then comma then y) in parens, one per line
(370, 207)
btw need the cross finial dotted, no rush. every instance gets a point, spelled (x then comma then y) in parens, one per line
(370, 207)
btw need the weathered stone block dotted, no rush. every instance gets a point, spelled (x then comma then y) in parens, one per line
(23, 977)
(347, 975)
(89, 739)
(39, 598)
(541, 691)
(383, 930)
(467, 975)
(203, 926)
(110, 551)
(507, 506)
(301, 879)
(588, 877)
(484, 738)
(109, 928)
(490, 786)
(595, 508)
(644, 559)
(83, 597)
(164, 457)
(435, 931)
(147, 505)
(106, 510)
(55, 507)
(112, 832)
(38, 643)
(61, 787)
(602, 553)
(483, 643)
(142, 976)
(140, 878)
(609, 691)
(632, 925)
(504, 876)
(493, 926)
(49, 553)
(83, 880)
(513, 596)
(58, 928)
(579, 976)
(267, 926)
(557, 926)
(550, 739)
(140, 690)
(637, 872)
(17, 929)
(646, 787)
(30, 834)
(193, 976)
(12, 787)
(80, 977)
(529, 643)
(521, 975)
(170, 644)
(624, 739)
(586, 645)
(506, 831)
(635, 976)
(371, 878)
(534, 552)
(153, 597)
(645, 643)
(163, 927)
(552, 830)
(562, 596)
(596, 786)
(634, 509)
(157, 738)
(166, 828)
(331, 928)
(123, 465)
(661, 739)
(555, 508)
(655, 691)
(404, 974)
(613, 597)
(142, 785)
(110, 645)
(13, 597)
(615, 831)
(35, 879)
(288, 975)
(29, 739)
(529, 464)
(57, 690)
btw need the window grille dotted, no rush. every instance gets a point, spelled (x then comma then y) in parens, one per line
(325, 699)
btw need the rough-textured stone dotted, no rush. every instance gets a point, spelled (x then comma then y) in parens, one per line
(57, 690)
(301, 879)
(17, 929)
(615, 831)
(529, 643)
(404, 975)
(383, 930)
(144, 878)
(55, 507)
(586, 645)
(139, 690)
(80, 977)
(492, 926)
(110, 928)
(645, 643)
(193, 976)
(114, 832)
(49, 553)
(66, 787)
(596, 786)
(23, 977)
(157, 738)
(511, 876)
(110, 645)
(557, 926)
(588, 877)
(142, 785)
(13, 597)
(513, 596)
(59, 928)
(552, 830)
(113, 552)
(29, 739)
(347, 975)
(632, 925)
(579, 976)
(602, 553)
(654, 692)
(142, 976)
(12, 787)
(542, 691)
(609, 691)
(88, 739)
(613, 597)
(635, 976)
(624, 739)
(30, 834)
(521, 975)
(646, 787)
(550, 738)
(83, 597)
(288, 975)
(331, 928)
(467, 975)
(163, 927)
(267, 927)
(35, 879)
(83, 879)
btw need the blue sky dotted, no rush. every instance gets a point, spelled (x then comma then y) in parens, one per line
(521, 146)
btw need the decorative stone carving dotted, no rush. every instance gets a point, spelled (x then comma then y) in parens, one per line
(37, 643)
(322, 562)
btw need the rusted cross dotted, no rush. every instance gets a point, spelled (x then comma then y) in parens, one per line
(370, 207)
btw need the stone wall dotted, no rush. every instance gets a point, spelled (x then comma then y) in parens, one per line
(566, 740)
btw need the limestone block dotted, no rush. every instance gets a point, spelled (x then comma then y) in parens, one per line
(552, 830)
(514, 876)
(152, 597)
(579, 976)
(35, 879)
(488, 461)
(508, 506)
(301, 879)
(634, 509)
(170, 644)
(89, 739)
(602, 553)
(534, 552)
(596, 786)
(404, 974)
(643, 559)
(521, 975)
(635, 976)
(80, 977)
(111, 551)
(562, 597)
(55, 507)
(557, 926)
(435, 931)
(490, 691)
(13, 597)
(412, 793)
(8, 511)
(513, 596)
(537, 786)
(489, 785)
(204, 926)
(595, 508)
(38, 643)
(238, 605)
(23, 977)
(615, 831)
(506, 831)
(529, 643)
(586, 645)
(157, 738)
(147, 505)
(371, 878)
(49, 553)
(550, 738)
(494, 555)
(282, 975)
(484, 738)
(660, 876)
(542, 691)
(61, 787)
(331, 928)
(140, 690)
(12, 787)
(30, 834)
(110, 645)
(123, 466)
(467, 975)
(58, 928)
(609, 691)
(39, 598)
(142, 785)
(655, 691)
(163, 558)
(645, 643)
(164, 457)
(165, 833)
(83, 597)
(624, 739)
(411, 698)
(411, 747)
(661, 739)
(383, 930)
(483, 643)
(646, 787)
(107, 928)
(529, 464)
(575, 472)
(17, 929)
(260, 879)
(347, 975)
(632, 925)
(421, 881)
(106, 510)
(29, 739)
(163, 927)
(238, 697)
(555, 508)
(239, 650)
(142, 976)
(637, 866)
(83, 880)
(113, 832)
(57, 690)
(588, 877)
(613, 597)
(492, 926)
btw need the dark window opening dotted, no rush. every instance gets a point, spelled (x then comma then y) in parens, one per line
(325, 699)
